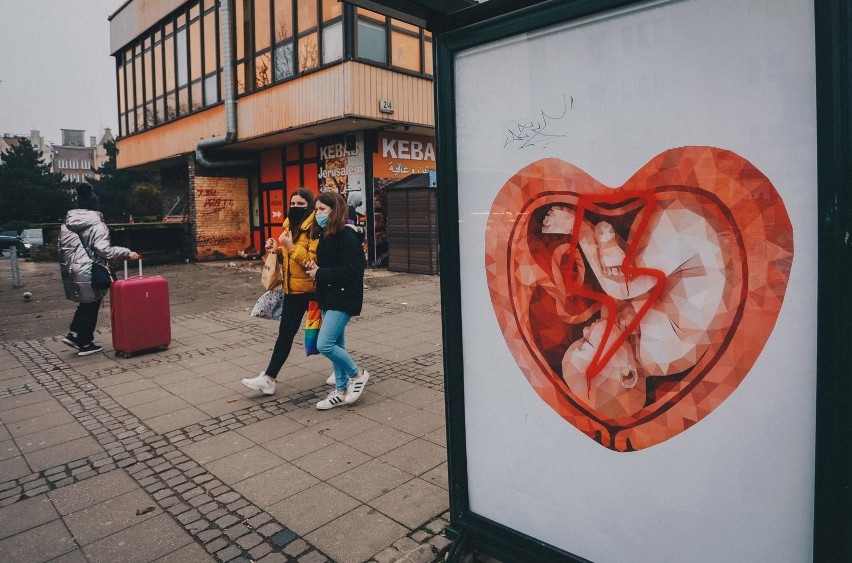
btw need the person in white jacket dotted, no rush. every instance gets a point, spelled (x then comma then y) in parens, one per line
(83, 240)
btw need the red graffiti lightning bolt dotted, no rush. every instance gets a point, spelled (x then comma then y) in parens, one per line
(607, 349)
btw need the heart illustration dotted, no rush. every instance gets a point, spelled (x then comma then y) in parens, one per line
(635, 311)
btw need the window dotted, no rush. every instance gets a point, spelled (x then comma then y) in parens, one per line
(282, 32)
(171, 70)
(332, 42)
(391, 42)
(371, 38)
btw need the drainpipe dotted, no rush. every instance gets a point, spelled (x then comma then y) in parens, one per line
(226, 29)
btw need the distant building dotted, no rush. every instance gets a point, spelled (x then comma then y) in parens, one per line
(7, 141)
(76, 161)
(101, 156)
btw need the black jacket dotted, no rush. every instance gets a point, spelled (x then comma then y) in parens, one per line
(340, 278)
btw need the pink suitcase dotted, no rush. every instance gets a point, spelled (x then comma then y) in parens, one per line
(139, 311)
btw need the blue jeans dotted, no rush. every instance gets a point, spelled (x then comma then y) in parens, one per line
(331, 344)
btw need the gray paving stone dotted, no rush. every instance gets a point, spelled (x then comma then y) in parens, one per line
(26, 514)
(176, 419)
(75, 556)
(296, 547)
(192, 553)
(147, 541)
(270, 529)
(13, 468)
(387, 555)
(276, 484)
(331, 460)
(413, 503)
(101, 520)
(269, 429)
(374, 531)
(237, 531)
(379, 440)
(229, 553)
(38, 544)
(273, 558)
(207, 536)
(50, 437)
(242, 465)
(312, 508)
(370, 480)
(312, 557)
(249, 540)
(259, 551)
(62, 453)
(92, 491)
(416, 457)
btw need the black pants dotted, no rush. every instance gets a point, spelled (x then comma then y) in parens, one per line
(295, 305)
(85, 320)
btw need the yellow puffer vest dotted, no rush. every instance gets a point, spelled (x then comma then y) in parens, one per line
(304, 249)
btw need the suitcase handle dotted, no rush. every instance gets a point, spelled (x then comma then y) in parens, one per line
(125, 268)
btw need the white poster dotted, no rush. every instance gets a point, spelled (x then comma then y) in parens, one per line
(638, 233)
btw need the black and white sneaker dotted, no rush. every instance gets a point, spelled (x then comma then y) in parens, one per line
(89, 348)
(334, 399)
(71, 340)
(356, 387)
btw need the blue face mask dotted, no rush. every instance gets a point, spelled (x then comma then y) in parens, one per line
(322, 220)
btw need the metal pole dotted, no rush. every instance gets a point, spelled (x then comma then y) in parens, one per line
(16, 274)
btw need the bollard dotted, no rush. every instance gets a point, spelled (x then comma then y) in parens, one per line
(16, 273)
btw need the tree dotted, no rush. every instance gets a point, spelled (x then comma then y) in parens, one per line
(115, 188)
(147, 200)
(29, 190)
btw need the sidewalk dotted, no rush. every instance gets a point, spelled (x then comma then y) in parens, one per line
(167, 457)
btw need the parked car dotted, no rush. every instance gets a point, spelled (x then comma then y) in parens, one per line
(31, 238)
(9, 239)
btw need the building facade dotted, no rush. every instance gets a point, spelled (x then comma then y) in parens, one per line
(7, 141)
(73, 159)
(239, 103)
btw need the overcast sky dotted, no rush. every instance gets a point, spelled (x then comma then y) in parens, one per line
(56, 71)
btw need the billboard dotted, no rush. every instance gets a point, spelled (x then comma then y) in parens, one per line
(637, 271)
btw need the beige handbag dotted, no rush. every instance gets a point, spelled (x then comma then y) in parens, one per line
(272, 276)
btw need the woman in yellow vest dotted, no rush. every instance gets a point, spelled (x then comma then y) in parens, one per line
(298, 245)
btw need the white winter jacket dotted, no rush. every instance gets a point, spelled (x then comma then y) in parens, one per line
(84, 227)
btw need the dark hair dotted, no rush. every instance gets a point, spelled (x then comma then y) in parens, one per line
(84, 189)
(86, 198)
(338, 214)
(305, 194)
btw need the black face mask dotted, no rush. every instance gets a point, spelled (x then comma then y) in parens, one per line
(296, 215)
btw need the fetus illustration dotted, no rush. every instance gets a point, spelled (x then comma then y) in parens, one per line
(635, 311)
(652, 324)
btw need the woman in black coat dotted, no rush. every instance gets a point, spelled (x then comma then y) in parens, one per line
(339, 275)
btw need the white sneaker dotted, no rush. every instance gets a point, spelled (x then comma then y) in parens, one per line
(334, 399)
(262, 383)
(331, 379)
(356, 387)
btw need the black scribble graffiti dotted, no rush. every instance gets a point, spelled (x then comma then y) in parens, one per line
(536, 133)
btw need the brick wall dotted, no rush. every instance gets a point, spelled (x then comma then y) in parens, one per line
(220, 213)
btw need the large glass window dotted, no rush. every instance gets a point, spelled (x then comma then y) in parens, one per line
(391, 42)
(175, 68)
(372, 41)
